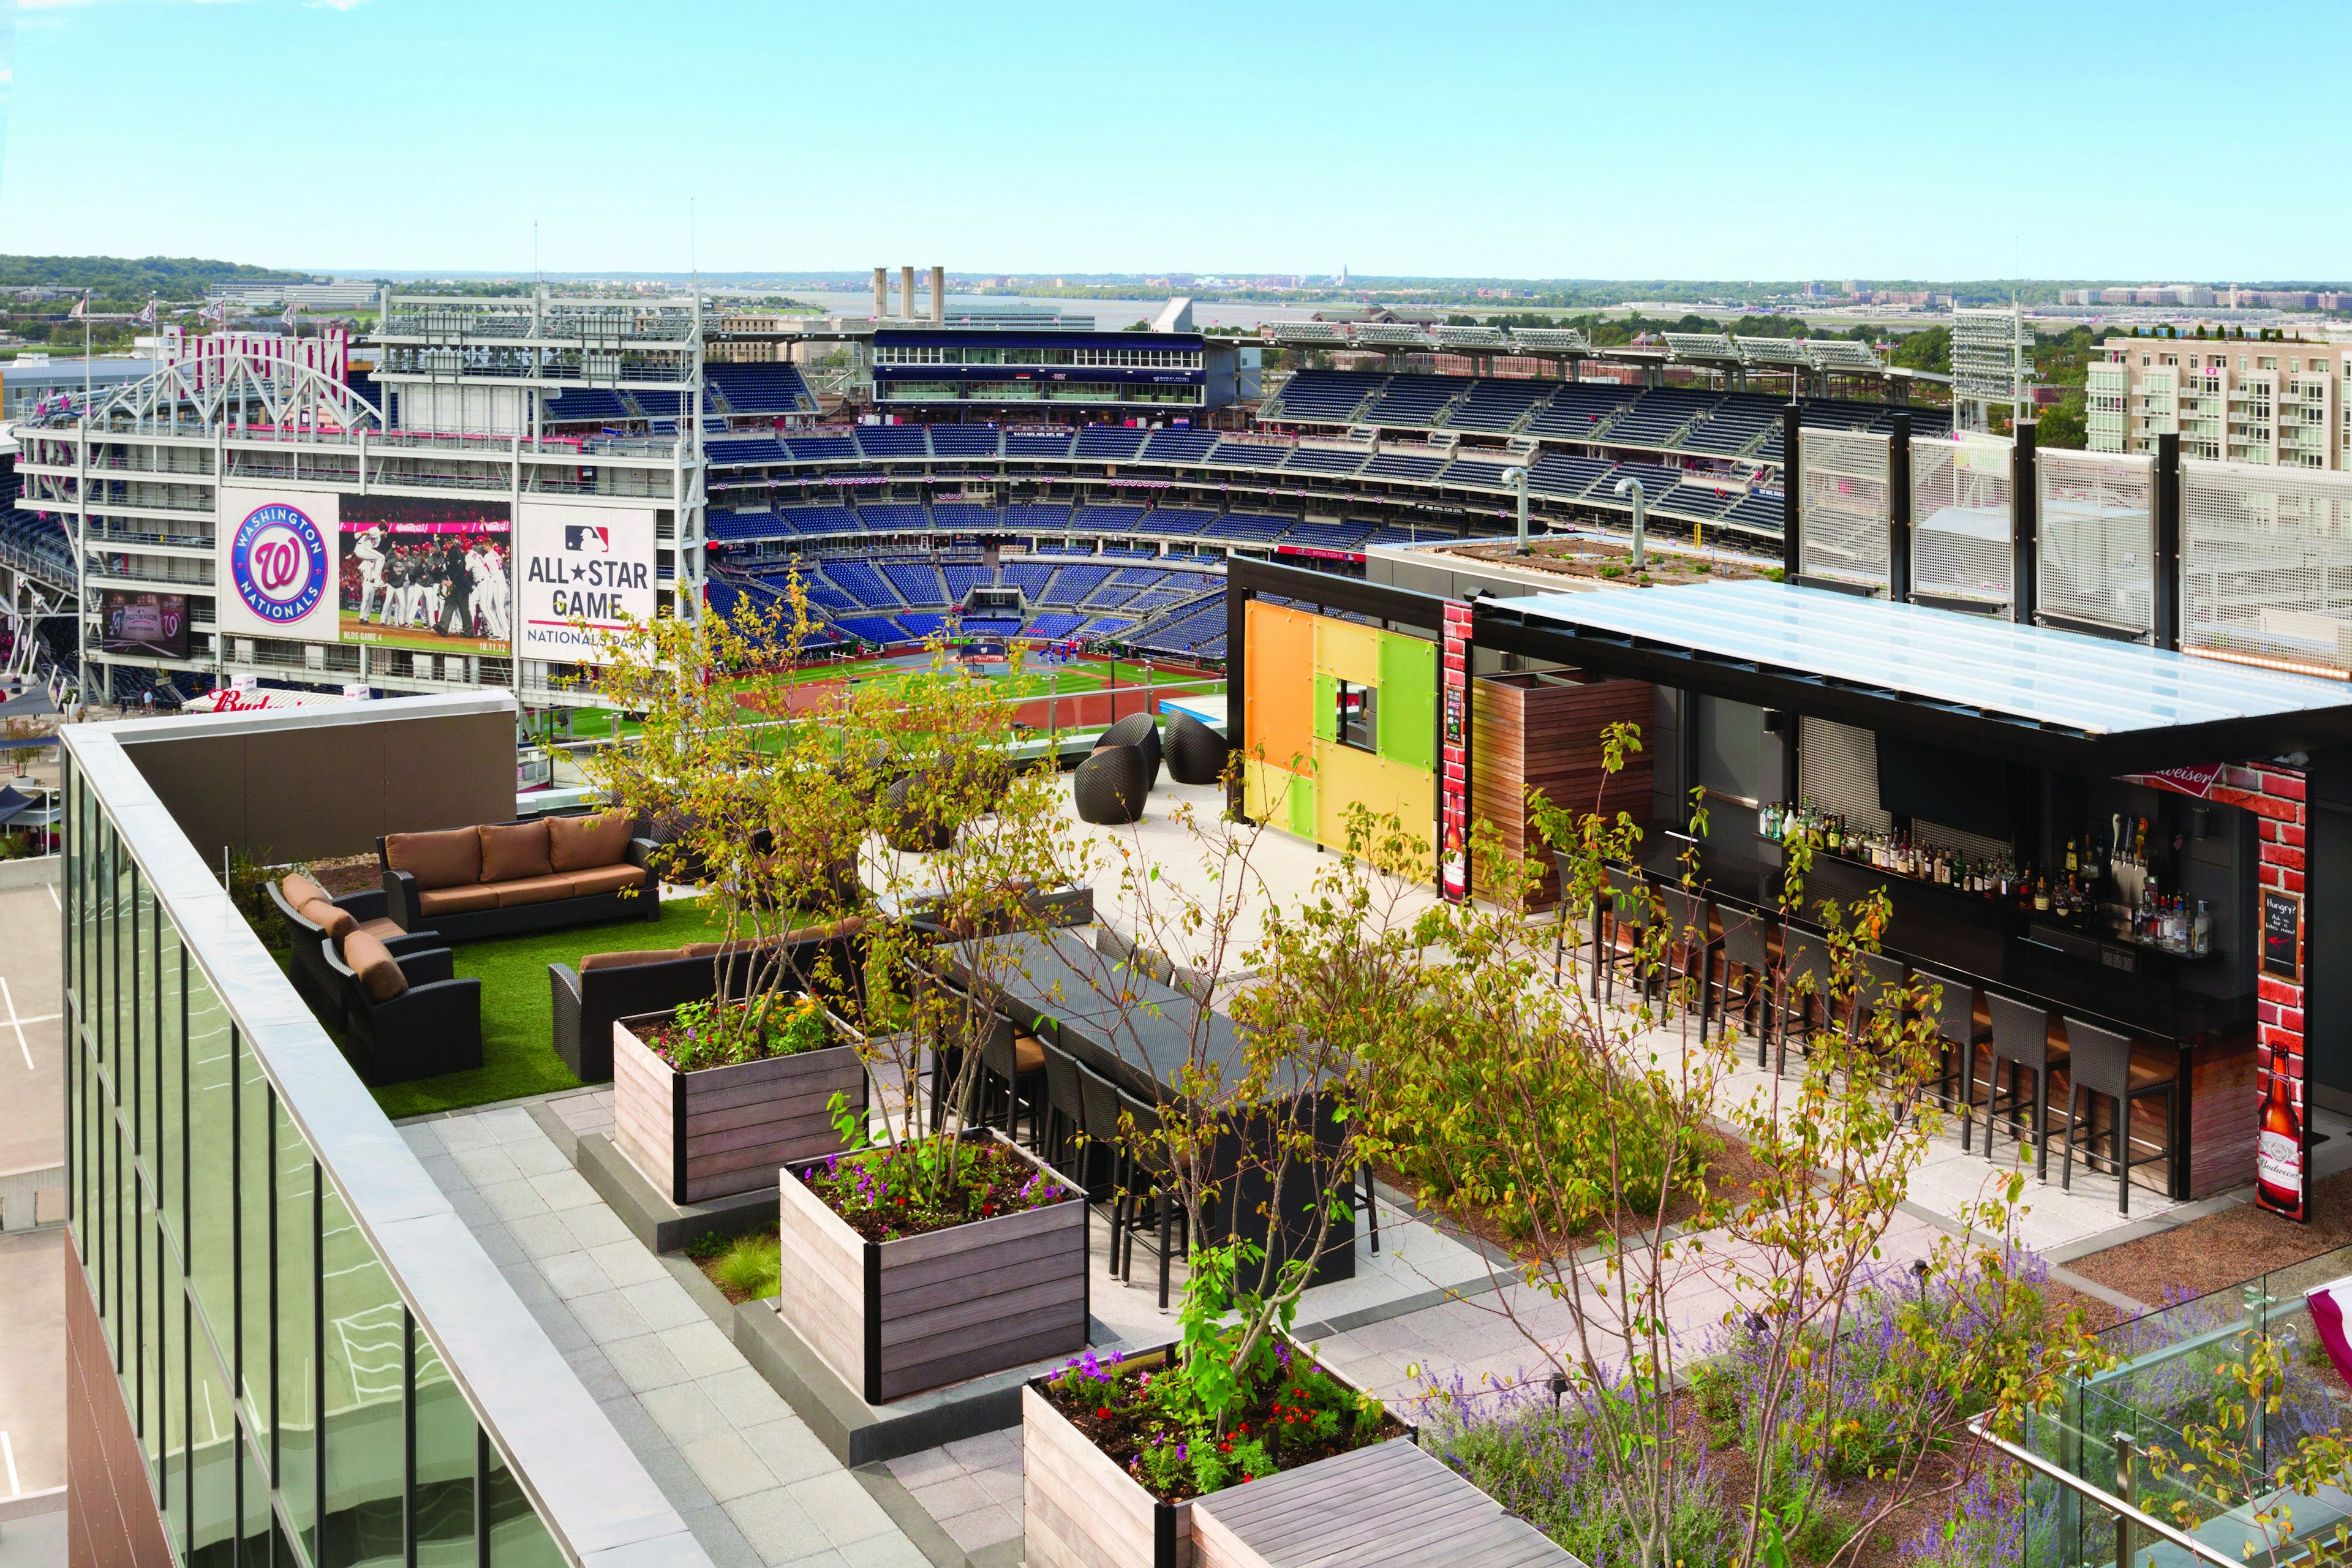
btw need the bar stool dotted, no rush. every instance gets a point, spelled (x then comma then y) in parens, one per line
(2020, 1040)
(1690, 945)
(1560, 932)
(1744, 945)
(1017, 1062)
(2100, 1064)
(1065, 1111)
(1150, 1181)
(1101, 1149)
(1806, 970)
(1950, 1000)
(1621, 916)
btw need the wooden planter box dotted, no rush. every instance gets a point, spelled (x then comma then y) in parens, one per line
(1080, 1509)
(894, 1318)
(725, 1130)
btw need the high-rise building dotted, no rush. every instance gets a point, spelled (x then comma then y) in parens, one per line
(2227, 398)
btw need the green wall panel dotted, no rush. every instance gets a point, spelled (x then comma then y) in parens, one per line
(1408, 700)
(1326, 709)
(1301, 800)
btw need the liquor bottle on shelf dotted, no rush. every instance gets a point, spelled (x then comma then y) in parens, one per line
(2041, 896)
(2201, 933)
(2278, 1152)
(2072, 864)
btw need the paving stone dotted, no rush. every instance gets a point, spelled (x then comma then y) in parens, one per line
(570, 1274)
(842, 1507)
(790, 1451)
(565, 1189)
(513, 1200)
(728, 1467)
(951, 1496)
(538, 1158)
(644, 1363)
(702, 1350)
(608, 1316)
(981, 1527)
(627, 1263)
(715, 1532)
(925, 1469)
(686, 1415)
(744, 1397)
(595, 1225)
(884, 1552)
(664, 1304)
(779, 1529)
(486, 1166)
(544, 1235)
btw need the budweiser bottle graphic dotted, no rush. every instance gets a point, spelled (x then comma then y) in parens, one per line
(2278, 1157)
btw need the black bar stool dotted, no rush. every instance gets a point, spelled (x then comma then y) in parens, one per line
(1806, 972)
(1148, 1192)
(1560, 932)
(1102, 1164)
(2020, 1041)
(1016, 1062)
(1745, 946)
(1952, 1005)
(2100, 1063)
(1621, 917)
(1065, 1111)
(1689, 951)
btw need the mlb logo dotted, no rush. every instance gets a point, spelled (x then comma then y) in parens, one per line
(587, 539)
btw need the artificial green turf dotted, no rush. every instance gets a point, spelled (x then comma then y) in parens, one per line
(518, 1012)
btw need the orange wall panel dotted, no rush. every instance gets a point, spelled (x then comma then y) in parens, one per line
(1278, 721)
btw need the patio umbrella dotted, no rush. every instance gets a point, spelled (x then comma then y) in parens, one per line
(2327, 1303)
(13, 804)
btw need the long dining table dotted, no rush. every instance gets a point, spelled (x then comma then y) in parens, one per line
(1142, 1035)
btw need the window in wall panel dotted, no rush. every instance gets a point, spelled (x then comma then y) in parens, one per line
(139, 980)
(172, 1097)
(253, 1507)
(519, 1538)
(297, 1420)
(172, 1444)
(444, 1464)
(213, 1454)
(155, 1284)
(365, 1443)
(257, 1207)
(212, 1156)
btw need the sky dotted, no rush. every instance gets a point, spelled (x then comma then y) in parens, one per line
(1583, 140)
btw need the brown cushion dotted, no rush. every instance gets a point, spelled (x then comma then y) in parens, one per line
(336, 923)
(379, 972)
(511, 852)
(630, 960)
(457, 900)
(603, 879)
(299, 890)
(848, 927)
(711, 949)
(529, 890)
(584, 843)
(383, 929)
(450, 859)
(1028, 1054)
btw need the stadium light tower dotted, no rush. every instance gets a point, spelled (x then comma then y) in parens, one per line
(1641, 516)
(1517, 479)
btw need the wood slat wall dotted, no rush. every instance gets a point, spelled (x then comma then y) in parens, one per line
(742, 1120)
(1543, 732)
(1080, 1509)
(822, 1268)
(1388, 1506)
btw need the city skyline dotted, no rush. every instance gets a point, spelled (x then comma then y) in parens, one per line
(1706, 144)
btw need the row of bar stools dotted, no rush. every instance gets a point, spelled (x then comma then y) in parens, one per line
(2102, 1067)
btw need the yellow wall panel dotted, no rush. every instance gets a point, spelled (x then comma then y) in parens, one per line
(1347, 650)
(1277, 713)
(1385, 787)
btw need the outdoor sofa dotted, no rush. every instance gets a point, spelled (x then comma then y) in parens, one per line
(507, 876)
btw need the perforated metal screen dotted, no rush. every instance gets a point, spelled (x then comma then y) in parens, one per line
(1837, 771)
(1961, 524)
(1843, 508)
(2097, 538)
(2266, 564)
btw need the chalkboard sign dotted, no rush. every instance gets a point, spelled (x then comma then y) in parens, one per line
(2282, 934)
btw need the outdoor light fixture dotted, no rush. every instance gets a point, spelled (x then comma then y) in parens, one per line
(1517, 479)
(1641, 516)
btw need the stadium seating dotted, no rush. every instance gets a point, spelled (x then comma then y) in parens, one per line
(1030, 576)
(761, 388)
(1497, 405)
(863, 583)
(1554, 475)
(963, 577)
(917, 582)
(963, 517)
(1249, 455)
(740, 452)
(1029, 444)
(1055, 624)
(893, 441)
(1414, 401)
(882, 517)
(1109, 443)
(1176, 520)
(820, 448)
(1579, 409)
(1402, 465)
(1046, 519)
(1325, 396)
(1325, 460)
(1467, 471)
(963, 440)
(1105, 519)
(581, 406)
(1252, 528)
(1177, 445)
(1071, 585)
(815, 519)
(1345, 536)
(872, 629)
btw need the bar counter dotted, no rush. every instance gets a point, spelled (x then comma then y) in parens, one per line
(2205, 1042)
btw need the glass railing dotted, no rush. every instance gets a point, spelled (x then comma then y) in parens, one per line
(321, 1365)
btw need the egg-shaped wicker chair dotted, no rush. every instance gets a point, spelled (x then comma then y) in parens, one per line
(1196, 754)
(1137, 730)
(1110, 786)
(909, 825)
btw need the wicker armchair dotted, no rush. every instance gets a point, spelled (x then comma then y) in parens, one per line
(1110, 786)
(1196, 754)
(1137, 730)
(911, 826)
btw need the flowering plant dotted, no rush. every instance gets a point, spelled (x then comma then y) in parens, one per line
(717, 1033)
(886, 1192)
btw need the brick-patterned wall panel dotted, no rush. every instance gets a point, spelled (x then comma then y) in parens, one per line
(110, 1518)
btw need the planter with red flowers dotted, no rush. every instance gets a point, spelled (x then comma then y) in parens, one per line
(1115, 1451)
(913, 1266)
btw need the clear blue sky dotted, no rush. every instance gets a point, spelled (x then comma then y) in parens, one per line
(1587, 141)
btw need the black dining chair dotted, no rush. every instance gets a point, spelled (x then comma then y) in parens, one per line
(1148, 1192)
(1745, 954)
(2021, 1042)
(1013, 1062)
(1102, 1163)
(1951, 1004)
(1621, 917)
(1689, 948)
(1560, 932)
(1065, 1109)
(1804, 993)
(2099, 1064)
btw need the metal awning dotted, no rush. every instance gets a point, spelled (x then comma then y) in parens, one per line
(2030, 692)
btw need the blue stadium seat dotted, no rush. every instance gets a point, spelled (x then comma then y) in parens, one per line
(963, 440)
(1177, 445)
(1109, 443)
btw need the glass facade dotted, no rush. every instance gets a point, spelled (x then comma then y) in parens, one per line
(290, 1408)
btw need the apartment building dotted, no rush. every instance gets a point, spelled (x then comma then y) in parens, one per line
(2280, 404)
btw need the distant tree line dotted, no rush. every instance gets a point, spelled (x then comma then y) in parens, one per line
(114, 279)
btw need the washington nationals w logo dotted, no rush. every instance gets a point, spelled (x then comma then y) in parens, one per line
(277, 562)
